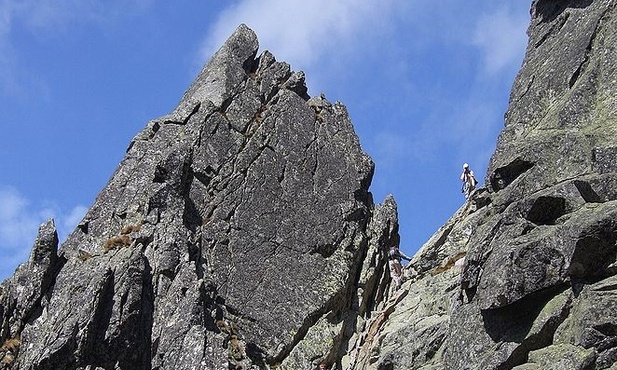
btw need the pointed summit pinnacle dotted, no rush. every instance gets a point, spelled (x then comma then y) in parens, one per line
(227, 68)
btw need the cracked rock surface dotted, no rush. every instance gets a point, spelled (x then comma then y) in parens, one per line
(523, 277)
(237, 231)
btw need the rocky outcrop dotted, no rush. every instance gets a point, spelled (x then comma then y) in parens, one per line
(523, 277)
(238, 232)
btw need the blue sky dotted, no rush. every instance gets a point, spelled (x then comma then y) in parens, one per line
(426, 84)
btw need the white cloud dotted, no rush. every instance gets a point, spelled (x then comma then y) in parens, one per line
(17, 225)
(18, 229)
(501, 37)
(298, 31)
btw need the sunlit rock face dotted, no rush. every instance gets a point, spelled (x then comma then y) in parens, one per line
(524, 276)
(239, 230)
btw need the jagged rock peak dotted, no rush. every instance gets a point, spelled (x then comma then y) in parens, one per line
(226, 69)
(238, 231)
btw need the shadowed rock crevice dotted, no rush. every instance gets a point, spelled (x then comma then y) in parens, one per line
(587, 192)
(518, 323)
(580, 68)
(548, 10)
(546, 209)
(595, 250)
(309, 322)
(552, 31)
(588, 51)
(504, 176)
(95, 340)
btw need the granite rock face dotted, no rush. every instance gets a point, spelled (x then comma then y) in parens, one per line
(523, 276)
(238, 232)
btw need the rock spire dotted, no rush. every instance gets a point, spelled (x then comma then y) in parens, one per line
(237, 231)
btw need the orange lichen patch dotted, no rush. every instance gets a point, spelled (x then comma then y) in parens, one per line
(83, 255)
(224, 326)
(7, 359)
(11, 344)
(131, 228)
(449, 263)
(117, 242)
(8, 350)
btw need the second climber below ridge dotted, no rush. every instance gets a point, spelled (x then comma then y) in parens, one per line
(396, 268)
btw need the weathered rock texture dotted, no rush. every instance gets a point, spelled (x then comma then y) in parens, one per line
(525, 276)
(238, 231)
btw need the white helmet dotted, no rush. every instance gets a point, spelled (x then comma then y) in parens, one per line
(465, 165)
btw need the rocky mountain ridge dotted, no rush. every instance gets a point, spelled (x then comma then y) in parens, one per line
(239, 232)
(523, 277)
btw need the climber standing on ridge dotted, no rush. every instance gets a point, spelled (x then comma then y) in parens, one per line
(469, 181)
(396, 268)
